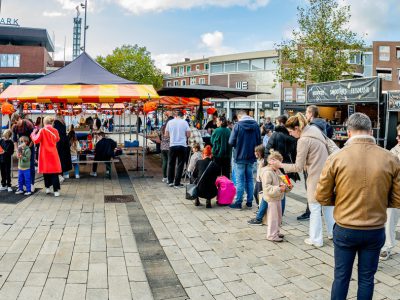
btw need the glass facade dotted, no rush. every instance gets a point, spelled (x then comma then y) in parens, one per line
(257, 64)
(244, 65)
(230, 66)
(10, 60)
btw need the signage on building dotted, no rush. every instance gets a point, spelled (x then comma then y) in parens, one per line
(276, 105)
(242, 85)
(219, 104)
(394, 101)
(267, 105)
(9, 21)
(242, 104)
(352, 90)
(351, 109)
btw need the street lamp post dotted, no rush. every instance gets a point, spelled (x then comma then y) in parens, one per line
(85, 27)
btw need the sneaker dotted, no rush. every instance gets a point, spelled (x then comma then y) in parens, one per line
(3, 188)
(77, 176)
(10, 190)
(170, 184)
(254, 222)
(179, 186)
(236, 206)
(330, 237)
(19, 192)
(384, 255)
(61, 179)
(66, 176)
(28, 194)
(277, 240)
(32, 188)
(56, 194)
(249, 205)
(304, 217)
(93, 174)
(164, 180)
(309, 242)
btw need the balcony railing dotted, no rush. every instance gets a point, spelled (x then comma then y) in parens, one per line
(186, 74)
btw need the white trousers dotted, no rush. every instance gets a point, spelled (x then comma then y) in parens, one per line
(390, 228)
(316, 235)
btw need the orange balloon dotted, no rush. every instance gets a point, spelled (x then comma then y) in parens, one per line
(7, 108)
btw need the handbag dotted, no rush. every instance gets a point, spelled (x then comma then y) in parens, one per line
(192, 188)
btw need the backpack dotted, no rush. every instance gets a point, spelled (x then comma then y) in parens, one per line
(226, 190)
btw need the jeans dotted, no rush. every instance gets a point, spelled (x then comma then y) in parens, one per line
(164, 161)
(244, 182)
(349, 242)
(315, 232)
(33, 171)
(24, 179)
(176, 152)
(264, 206)
(390, 228)
(76, 169)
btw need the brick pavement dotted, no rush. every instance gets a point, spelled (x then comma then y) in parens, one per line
(77, 247)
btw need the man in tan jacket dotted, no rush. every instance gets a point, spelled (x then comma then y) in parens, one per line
(362, 180)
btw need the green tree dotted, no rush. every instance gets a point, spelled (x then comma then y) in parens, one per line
(133, 63)
(321, 46)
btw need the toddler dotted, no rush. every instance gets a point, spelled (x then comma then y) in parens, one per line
(194, 158)
(6, 152)
(75, 149)
(24, 166)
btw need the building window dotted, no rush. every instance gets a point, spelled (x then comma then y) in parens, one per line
(384, 53)
(181, 70)
(230, 66)
(10, 60)
(176, 82)
(288, 94)
(257, 64)
(206, 66)
(354, 59)
(398, 52)
(183, 82)
(270, 63)
(174, 71)
(202, 81)
(301, 95)
(367, 61)
(398, 75)
(193, 81)
(197, 68)
(216, 68)
(169, 83)
(244, 65)
(385, 74)
(188, 69)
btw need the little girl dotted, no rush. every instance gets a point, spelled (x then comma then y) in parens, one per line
(274, 190)
(74, 149)
(24, 166)
(194, 158)
(6, 152)
(259, 152)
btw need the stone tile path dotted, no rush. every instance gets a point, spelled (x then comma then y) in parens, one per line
(78, 247)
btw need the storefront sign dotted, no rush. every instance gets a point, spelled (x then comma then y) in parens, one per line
(219, 104)
(394, 101)
(9, 22)
(276, 105)
(242, 85)
(352, 90)
(351, 109)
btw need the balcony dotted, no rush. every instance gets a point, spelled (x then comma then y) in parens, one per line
(186, 74)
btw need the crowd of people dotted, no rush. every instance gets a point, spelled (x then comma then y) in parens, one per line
(46, 146)
(354, 190)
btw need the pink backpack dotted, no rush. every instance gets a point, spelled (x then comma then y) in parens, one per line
(226, 190)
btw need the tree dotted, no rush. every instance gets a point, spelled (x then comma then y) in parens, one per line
(133, 63)
(319, 50)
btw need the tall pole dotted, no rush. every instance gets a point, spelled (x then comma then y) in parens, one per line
(84, 29)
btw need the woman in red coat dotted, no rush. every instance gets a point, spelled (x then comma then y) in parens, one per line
(49, 161)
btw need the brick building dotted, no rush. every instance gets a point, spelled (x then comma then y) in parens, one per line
(24, 53)
(188, 72)
(386, 64)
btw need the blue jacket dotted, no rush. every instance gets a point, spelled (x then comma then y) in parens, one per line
(245, 137)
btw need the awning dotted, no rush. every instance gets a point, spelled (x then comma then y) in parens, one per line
(79, 93)
(180, 101)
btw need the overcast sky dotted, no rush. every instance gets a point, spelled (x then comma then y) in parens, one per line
(175, 29)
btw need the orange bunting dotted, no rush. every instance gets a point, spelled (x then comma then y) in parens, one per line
(211, 110)
(149, 107)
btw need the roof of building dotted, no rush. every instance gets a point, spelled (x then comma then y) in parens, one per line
(189, 62)
(244, 55)
(24, 36)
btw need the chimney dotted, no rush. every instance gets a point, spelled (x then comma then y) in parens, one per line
(187, 59)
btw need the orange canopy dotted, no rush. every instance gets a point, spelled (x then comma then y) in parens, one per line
(180, 101)
(117, 93)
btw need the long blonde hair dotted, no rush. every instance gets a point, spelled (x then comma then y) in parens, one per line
(298, 120)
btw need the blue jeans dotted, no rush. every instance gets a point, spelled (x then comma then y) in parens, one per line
(262, 210)
(24, 179)
(349, 242)
(244, 181)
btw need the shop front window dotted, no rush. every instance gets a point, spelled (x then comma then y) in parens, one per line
(288, 94)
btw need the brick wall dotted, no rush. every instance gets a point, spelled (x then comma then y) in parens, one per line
(33, 59)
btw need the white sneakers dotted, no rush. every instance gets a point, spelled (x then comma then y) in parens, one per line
(48, 191)
(77, 176)
(61, 179)
(94, 174)
(164, 179)
(56, 194)
(309, 242)
(66, 176)
(9, 189)
(3, 188)
(28, 194)
(32, 188)
(19, 192)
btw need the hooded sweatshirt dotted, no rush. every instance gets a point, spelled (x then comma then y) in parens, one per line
(323, 126)
(244, 138)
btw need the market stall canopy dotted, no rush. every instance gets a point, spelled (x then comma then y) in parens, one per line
(79, 93)
(82, 70)
(207, 91)
(180, 101)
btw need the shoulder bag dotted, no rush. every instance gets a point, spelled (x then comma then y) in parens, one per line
(192, 188)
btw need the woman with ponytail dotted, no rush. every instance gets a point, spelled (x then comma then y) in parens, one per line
(311, 155)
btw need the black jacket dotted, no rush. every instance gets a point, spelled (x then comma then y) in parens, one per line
(286, 145)
(104, 149)
(206, 187)
(63, 146)
(8, 147)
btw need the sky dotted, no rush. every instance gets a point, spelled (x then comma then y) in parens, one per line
(175, 29)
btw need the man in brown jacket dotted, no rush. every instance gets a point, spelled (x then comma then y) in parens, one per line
(362, 181)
